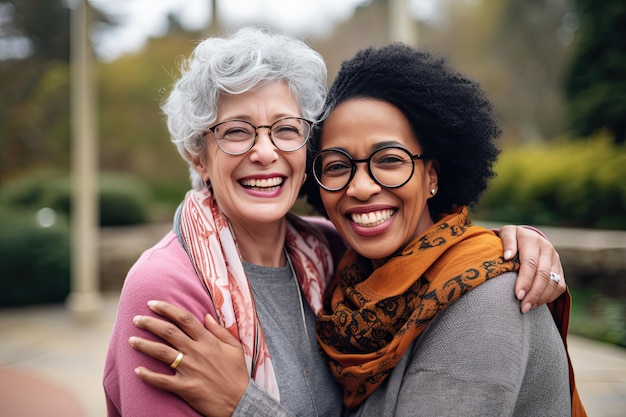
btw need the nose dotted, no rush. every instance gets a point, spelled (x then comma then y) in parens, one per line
(362, 186)
(263, 150)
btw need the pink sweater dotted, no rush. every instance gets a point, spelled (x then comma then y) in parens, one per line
(163, 272)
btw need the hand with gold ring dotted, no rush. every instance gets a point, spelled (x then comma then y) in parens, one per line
(213, 375)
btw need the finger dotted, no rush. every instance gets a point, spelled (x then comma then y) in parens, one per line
(156, 350)
(529, 257)
(183, 319)
(558, 266)
(508, 234)
(539, 285)
(163, 329)
(157, 379)
(543, 289)
(220, 332)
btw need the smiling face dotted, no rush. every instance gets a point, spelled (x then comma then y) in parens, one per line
(376, 221)
(260, 186)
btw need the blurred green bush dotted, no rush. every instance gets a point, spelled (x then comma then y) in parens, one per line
(123, 199)
(34, 260)
(597, 316)
(35, 243)
(574, 184)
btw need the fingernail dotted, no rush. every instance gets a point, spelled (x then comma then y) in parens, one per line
(526, 308)
(521, 294)
(152, 303)
(137, 319)
(132, 340)
(507, 254)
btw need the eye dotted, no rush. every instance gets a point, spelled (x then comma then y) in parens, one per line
(235, 131)
(336, 168)
(390, 159)
(287, 129)
(334, 164)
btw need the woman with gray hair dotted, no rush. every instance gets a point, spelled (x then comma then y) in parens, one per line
(236, 260)
(240, 115)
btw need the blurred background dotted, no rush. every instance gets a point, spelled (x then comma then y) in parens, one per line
(76, 72)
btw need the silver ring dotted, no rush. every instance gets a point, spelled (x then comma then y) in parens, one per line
(176, 362)
(555, 277)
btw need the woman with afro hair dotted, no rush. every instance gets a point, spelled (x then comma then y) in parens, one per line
(421, 318)
(418, 132)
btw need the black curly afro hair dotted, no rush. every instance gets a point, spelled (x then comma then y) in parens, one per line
(449, 113)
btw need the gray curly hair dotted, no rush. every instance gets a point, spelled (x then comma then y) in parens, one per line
(235, 65)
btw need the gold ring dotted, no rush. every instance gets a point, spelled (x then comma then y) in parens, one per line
(176, 362)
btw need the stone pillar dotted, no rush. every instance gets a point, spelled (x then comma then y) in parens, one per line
(84, 300)
(402, 27)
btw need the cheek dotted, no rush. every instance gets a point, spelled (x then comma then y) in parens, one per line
(329, 200)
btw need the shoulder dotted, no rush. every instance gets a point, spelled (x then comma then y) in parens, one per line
(327, 229)
(165, 272)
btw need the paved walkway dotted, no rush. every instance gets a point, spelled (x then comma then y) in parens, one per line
(52, 365)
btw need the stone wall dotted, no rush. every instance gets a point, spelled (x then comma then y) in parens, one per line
(591, 258)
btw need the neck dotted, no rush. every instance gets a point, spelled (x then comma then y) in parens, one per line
(263, 244)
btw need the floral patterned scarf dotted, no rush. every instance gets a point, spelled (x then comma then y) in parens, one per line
(205, 234)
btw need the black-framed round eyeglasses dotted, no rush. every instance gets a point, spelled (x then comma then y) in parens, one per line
(236, 137)
(390, 167)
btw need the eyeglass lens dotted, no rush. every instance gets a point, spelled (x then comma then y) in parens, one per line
(237, 137)
(390, 167)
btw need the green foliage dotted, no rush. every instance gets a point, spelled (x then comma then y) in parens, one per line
(34, 260)
(595, 83)
(47, 25)
(123, 199)
(598, 317)
(578, 184)
(133, 133)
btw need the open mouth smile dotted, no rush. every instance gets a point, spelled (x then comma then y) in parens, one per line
(373, 218)
(265, 184)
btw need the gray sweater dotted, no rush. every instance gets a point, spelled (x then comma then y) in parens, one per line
(306, 386)
(480, 357)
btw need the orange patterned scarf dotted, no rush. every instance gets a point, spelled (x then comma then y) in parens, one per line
(205, 234)
(373, 316)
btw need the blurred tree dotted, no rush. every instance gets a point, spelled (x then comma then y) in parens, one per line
(595, 84)
(133, 134)
(531, 51)
(34, 80)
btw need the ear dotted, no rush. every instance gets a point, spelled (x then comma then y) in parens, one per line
(200, 165)
(432, 174)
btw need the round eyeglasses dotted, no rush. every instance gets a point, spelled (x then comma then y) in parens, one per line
(390, 167)
(236, 137)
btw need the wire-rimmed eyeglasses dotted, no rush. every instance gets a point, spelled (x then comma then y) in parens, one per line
(390, 167)
(236, 137)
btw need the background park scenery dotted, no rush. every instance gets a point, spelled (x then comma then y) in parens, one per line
(555, 70)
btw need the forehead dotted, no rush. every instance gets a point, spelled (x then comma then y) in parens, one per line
(362, 124)
(265, 102)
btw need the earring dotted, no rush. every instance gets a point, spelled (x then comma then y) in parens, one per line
(208, 183)
(433, 192)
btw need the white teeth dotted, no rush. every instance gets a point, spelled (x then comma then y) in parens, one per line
(373, 218)
(262, 183)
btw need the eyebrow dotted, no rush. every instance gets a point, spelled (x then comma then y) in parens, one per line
(379, 145)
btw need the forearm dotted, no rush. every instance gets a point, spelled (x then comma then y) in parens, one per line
(256, 402)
